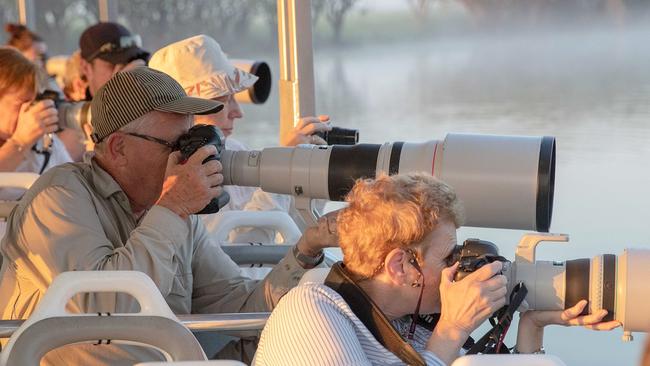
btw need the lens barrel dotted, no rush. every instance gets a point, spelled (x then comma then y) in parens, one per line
(261, 90)
(496, 177)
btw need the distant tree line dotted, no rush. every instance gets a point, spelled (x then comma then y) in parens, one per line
(163, 21)
(531, 12)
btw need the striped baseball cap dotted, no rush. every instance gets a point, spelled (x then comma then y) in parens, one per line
(131, 94)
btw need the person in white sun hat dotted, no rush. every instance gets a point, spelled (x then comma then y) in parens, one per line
(204, 71)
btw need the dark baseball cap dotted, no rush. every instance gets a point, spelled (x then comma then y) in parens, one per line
(111, 42)
(131, 94)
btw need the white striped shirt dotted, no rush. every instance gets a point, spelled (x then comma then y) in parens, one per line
(313, 325)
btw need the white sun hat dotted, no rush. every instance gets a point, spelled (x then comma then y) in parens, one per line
(201, 67)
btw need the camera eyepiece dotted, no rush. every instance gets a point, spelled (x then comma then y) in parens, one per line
(340, 136)
(474, 254)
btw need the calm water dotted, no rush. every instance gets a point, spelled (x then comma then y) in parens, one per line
(589, 90)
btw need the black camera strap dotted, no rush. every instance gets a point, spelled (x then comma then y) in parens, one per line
(46, 157)
(371, 316)
(492, 341)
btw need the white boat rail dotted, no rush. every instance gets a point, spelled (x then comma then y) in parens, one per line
(136, 284)
(230, 323)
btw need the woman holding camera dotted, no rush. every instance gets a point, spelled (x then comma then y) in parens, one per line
(397, 237)
(27, 140)
(203, 69)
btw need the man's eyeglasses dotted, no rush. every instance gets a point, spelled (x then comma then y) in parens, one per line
(125, 42)
(172, 145)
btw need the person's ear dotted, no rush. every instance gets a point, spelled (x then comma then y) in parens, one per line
(397, 267)
(86, 68)
(116, 148)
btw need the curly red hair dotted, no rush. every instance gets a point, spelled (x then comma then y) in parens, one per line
(392, 212)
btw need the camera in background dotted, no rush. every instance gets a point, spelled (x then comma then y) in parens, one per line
(74, 115)
(340, 136)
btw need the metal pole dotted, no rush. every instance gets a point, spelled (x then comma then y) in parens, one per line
(26, 13)
(196, 322)
(297, 96)
(107, 10)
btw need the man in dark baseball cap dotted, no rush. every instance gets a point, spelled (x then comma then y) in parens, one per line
(130, 207)
(107, 48)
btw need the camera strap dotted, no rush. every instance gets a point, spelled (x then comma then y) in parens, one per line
(371, 316)
(46, 157)
(492, 341)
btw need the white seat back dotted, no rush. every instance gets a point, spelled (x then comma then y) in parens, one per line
(13, 180)
(508, 360)
(224, 222)
(17, 180)
(315, 275)
(51, 326)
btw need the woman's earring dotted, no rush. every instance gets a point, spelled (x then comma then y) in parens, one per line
(417, 282)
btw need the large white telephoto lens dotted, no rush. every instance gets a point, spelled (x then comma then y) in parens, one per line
(503, 181)
(617, 284)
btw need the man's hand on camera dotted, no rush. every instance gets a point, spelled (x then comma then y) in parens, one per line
(323, 235)
(189, 186)
(35, 120)
(304, 132)
(569, 317)
(469, 302)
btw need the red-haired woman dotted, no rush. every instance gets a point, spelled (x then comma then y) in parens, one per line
(24, 123)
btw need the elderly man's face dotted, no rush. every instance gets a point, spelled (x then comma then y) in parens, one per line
(147, 160)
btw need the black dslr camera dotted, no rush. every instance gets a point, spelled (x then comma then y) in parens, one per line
(340, 136)
(474, 254)
(197, 137)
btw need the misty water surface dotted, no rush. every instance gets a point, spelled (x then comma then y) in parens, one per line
(589, 89)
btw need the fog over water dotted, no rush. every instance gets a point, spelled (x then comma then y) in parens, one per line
(589, 89)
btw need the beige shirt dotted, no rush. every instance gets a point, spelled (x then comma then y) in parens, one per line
(76, 217)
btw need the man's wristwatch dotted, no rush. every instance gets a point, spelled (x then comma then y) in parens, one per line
(307, 261)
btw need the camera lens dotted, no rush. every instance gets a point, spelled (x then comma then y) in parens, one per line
(340, 136)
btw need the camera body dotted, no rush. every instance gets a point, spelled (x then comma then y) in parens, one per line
(71, 114)
(474, 254)
(617, 283)
(197, 137)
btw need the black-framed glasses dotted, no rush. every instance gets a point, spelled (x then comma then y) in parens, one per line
(172, 145)
(125, 42)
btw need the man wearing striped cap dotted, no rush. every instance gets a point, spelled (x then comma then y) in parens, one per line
(130, 207)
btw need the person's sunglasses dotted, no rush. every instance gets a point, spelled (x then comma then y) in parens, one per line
(124, 43)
